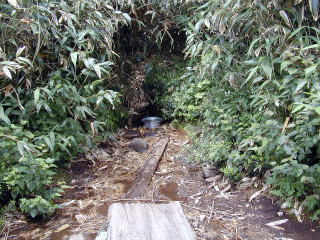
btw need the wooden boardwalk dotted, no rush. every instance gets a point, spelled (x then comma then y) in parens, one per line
(143, 221)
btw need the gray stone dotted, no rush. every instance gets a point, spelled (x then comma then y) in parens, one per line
(139, 145)
(209, 172)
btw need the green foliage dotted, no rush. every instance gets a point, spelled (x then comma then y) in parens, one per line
(162, 76)
(37, 206)
(294, 181)
(53, 75)
(253, 84)
(58, 96)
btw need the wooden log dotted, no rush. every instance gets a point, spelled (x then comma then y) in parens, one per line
(143, 221)
(142, 181)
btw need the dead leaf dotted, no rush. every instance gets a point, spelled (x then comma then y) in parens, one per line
(104, 167)
(81, 218)
(8, 89)
(256, 194)
(227, 188)
(63, 227)
(276, 223)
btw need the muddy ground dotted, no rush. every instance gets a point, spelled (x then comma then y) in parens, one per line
(215, 208)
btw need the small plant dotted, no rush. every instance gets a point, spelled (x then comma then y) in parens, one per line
(37, 207)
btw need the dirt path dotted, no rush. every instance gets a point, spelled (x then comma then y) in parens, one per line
(216, 210)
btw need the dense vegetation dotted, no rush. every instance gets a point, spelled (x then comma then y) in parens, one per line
(58, 95)
(252, 82)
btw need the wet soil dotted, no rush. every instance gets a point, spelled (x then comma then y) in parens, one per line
(216, 210)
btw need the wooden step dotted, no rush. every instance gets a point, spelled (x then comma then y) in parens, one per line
(144, 221)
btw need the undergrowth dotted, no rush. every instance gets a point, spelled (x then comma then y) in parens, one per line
(252, 82)
(59, 90)
(253, 85)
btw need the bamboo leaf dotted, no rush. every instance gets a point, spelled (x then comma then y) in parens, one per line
(36, 95)
(74, 58)
(3, 116)
(300, 85)
(198, 25)
(13, 3)
(20, 50)
(7, 72)
(314, 8)
(97, 69)
(52, 139)
(127, 17)
(285, 17)
(311, 70)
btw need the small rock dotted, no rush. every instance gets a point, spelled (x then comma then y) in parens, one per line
(139, 145)
(131, 134)
(210, 172)
(104, 155)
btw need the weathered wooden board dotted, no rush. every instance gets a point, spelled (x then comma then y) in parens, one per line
(143, 221)
(143, 179)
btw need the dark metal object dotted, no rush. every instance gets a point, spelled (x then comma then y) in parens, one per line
(151, 122)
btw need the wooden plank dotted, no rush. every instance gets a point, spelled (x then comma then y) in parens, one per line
(143, 221)
(143, 179)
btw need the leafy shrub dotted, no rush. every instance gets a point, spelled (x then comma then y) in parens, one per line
(37, 206)
(294, 181)
(253, 81)
(58, 95)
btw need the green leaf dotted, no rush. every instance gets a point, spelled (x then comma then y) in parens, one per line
(52, 139)
(48, 142)
(285, 17)
(300, 85)
(20, 145)
(36, 95)
(252, 71)
(20, 50)
(284, 65)
(298, 108)
(317, 109)
(3, 116)
(314, 8)
(6, 71)
(127, 17)
(198, 25)
(23, 60)
(74, 58)
(311, 69)
(97, 69)
(267, 68)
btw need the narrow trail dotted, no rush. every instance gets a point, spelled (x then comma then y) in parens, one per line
(216, 209)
